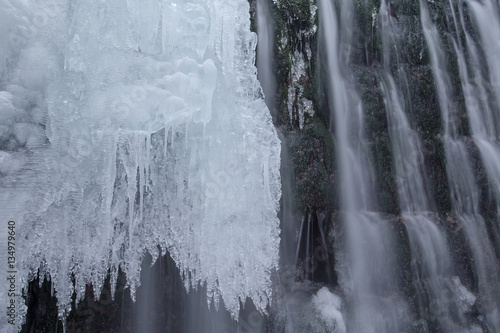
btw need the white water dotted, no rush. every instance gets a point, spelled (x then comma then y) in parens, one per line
(487, 18)
(132, 125)
(365, 265)
(483, 115)
(431, 264)
(465, 191)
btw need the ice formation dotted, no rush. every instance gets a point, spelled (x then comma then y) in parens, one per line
(134, 126)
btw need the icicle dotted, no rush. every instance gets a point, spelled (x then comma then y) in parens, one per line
(190, 81)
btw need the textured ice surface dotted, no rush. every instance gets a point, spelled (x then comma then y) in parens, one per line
(128, 125)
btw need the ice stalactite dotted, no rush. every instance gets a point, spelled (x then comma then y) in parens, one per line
(139, 126)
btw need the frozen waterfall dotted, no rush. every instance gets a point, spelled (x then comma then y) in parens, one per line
(134, 126)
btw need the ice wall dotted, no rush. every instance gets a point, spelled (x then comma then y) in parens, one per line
(133, 126)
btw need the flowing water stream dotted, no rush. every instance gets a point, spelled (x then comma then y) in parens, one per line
(432, 267)
(367, 270)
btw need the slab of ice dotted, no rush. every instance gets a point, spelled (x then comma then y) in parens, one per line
(138, 126)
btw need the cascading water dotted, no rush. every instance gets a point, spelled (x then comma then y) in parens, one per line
(368, 272)
(132, 125)
(465, 192)
(487, 19)
(482, 94)
(432, 267)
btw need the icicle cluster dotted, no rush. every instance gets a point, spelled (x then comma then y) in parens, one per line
(134, 126)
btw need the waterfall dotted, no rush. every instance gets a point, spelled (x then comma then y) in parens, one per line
(432, 267)
(367, 267)
(464, 190)
(487, 19)
(482, 102)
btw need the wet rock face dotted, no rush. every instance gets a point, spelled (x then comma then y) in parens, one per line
(311, 153)
(312, 146)
(310, 143)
